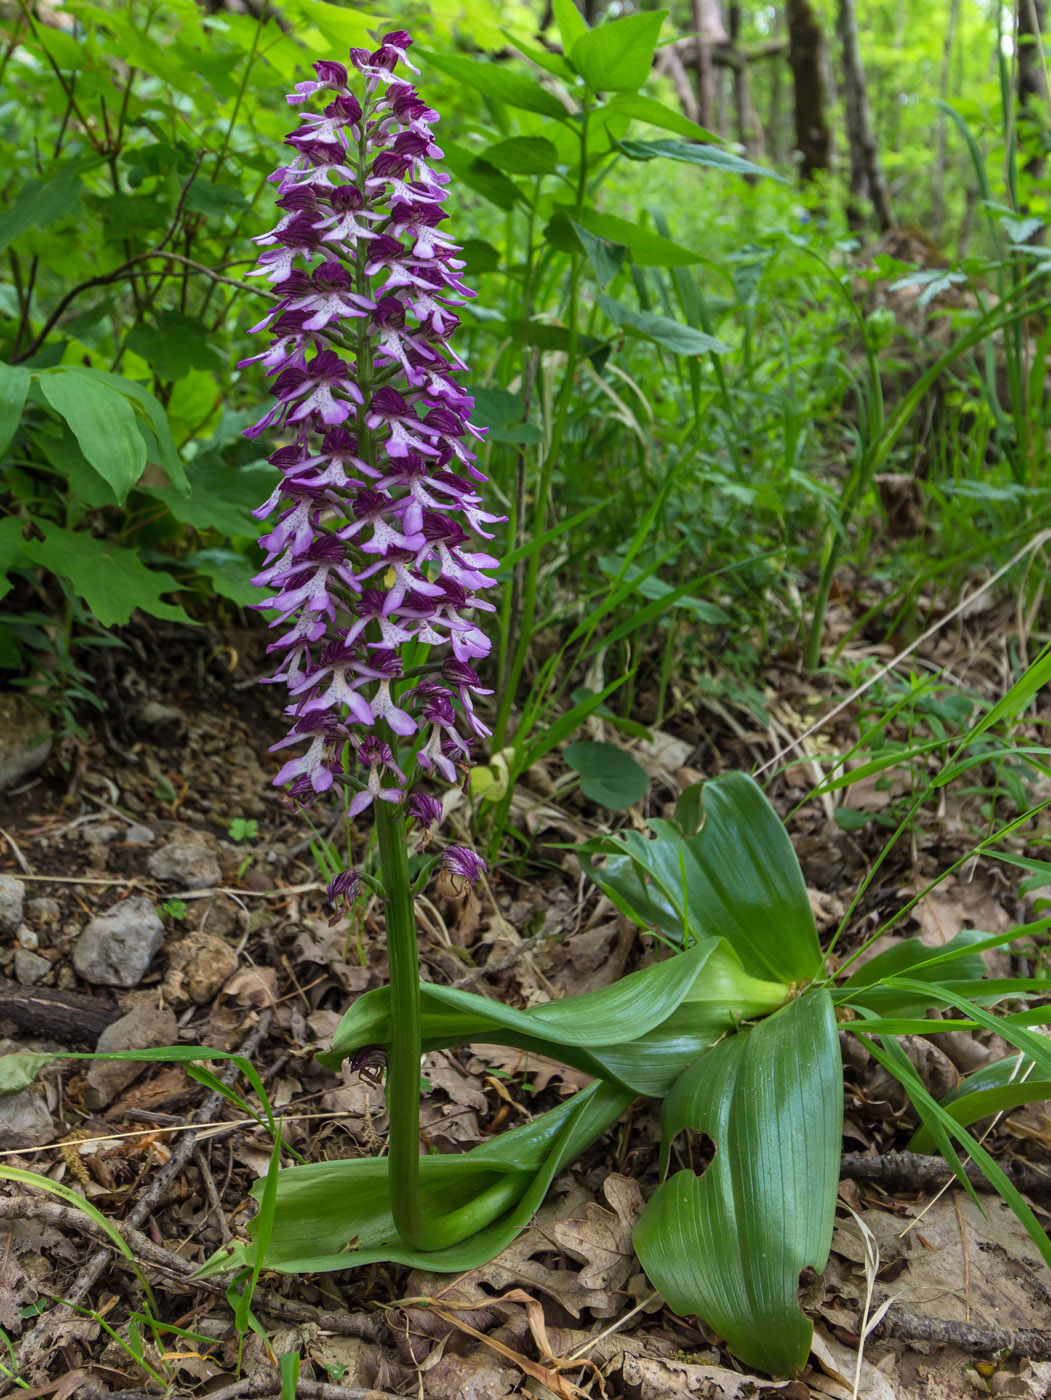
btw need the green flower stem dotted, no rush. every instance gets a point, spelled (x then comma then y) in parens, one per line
(403, 1068)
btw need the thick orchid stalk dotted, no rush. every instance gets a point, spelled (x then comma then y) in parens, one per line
(370, 557)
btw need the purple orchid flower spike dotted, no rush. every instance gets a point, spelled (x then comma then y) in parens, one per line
(372, 533)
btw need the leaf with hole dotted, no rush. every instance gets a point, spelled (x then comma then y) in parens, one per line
(729, 1246)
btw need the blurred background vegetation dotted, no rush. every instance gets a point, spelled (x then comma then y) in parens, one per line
(769, 392)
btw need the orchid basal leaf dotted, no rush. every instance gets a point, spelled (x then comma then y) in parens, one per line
(739, 875)
(639, 1032)
(729, 1245)
(337, 1215)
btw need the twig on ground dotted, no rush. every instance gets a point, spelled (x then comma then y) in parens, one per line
(262, 1385)
(911, 1171)
(36, 1342)
(1000, 1341)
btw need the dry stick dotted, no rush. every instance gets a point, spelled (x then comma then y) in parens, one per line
(371, 1327)
(1001, 1341)
(34, 1344)
(911, 1171)
(262, 1385)
(1034, 543)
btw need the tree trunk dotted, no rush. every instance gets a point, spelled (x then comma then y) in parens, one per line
(705, 69)
(806, 57)
(1033, 99)
(749, 131)
(866, 171)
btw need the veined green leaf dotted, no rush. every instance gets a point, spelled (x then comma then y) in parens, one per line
(716, 157)
(497, 82)
(336, 1215)
(617, 56)
(673, 335)
(14, 385)
(112, 581)
(729, 1245)
(571, 23)
(639, 1031)
(608, 774)
(648, 109)
(523, 155)
(103, 423)
(743, 882)
(647, 249)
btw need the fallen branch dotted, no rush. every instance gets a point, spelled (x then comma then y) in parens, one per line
(999, 1341)
(911, 1172)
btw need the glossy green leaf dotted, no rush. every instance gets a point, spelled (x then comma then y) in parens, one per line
(673, 335)
(640, 1031)
(523, 155)
(497, 82)
(17, 1071)
(729, 1245)
(654, 113)
(608, 774)
(103, 422)
(740, 876)
(618, 55)
(716, 157)
(112, 581)
(14, 385)
(336, 1215)
(995, 1088)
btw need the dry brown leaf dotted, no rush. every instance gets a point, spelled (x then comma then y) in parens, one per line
(661, 1378)
(252, 986)
(601, 1241)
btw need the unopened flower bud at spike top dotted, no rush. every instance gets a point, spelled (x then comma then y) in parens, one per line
(371, 532)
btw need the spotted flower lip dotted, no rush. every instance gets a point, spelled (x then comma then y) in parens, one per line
(371, 533)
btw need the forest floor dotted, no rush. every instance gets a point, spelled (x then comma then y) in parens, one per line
(249, 961)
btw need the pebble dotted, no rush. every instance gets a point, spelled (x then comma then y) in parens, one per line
(100, 835)
(115, 950)
(12, 900)
(24, 1121)
(188, 861)
(138, 835)
(143, 1028)
(28, 939)
(30, 967)
(199, 966)
(21, 723)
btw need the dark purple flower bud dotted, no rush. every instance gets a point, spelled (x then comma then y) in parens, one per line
(332, 74)
(342, 892)
(390, 311)
(345, 109)
(425, 809)
(465, 868)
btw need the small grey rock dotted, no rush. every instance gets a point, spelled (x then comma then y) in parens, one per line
(138, 835)
(115, 950)
(188, 862)
(27, 938)
(12, 900)
(24, 1121)
(141, 1029)
(100, 835)
(30, 967)
(21, 726)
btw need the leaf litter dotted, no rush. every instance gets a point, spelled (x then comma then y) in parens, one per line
(565, 1310)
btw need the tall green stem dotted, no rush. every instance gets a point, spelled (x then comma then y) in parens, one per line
(403, 1068)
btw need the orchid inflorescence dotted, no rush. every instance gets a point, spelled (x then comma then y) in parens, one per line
(370, 550)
